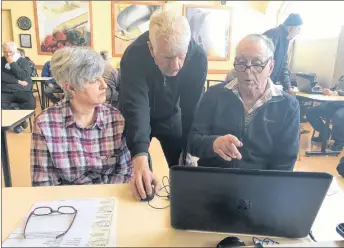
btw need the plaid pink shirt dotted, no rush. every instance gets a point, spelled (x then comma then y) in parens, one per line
(63, 153)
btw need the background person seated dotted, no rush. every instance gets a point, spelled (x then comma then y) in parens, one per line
(247, 123)
(16, 83)
(52, 89)
(112, 79)
(32, 64)
(79, 140)
(333, 110)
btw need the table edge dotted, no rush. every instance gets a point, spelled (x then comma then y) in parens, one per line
(17, 122)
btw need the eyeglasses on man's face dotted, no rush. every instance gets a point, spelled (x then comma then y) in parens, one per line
(44, 211)
(257, 68)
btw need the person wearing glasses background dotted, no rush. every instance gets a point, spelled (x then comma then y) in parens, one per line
(16, 83)
(79, 140)
(247, 123)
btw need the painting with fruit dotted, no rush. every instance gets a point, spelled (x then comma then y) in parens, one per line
(62, 23)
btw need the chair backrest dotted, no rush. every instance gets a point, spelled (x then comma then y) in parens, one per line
(340, 167)
(114, 88)
(213, 80)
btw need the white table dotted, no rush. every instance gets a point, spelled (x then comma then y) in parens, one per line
(137, 224)
(10, 119)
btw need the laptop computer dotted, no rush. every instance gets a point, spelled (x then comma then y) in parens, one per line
(270, 203)
(304, 85)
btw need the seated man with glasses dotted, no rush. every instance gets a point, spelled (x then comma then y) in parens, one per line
(247, 123)
(79, 140)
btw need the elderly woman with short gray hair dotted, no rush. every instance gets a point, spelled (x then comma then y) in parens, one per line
(247, 123)
(80, 139)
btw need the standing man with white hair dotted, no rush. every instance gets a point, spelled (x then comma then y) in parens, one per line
(162, 79)
(247, 123)
(16, 83)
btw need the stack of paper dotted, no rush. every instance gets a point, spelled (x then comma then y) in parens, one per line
(94, 226)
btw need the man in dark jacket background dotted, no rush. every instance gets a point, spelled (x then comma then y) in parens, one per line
(16, 83)
(281, 37)
(162, 79)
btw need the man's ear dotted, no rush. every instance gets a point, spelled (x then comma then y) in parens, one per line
(150, 48)
(271, 66)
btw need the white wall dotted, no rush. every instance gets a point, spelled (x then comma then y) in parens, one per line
(316, 47)
(339, 66)
(318, 56)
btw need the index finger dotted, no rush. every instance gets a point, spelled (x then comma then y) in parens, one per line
(139, 186)
(157, 185)
(235, 151)
(147, 182)
(134, 191)
(234, 140)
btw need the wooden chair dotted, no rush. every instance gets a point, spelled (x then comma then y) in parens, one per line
(212, 80)
(37, 91)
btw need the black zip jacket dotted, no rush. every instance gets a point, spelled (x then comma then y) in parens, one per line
(153, 104)
(20, 70)
(281, 72)
(270, 140)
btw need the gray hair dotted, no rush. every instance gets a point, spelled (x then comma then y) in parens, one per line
(10, 44)
(172, 27)
(76, 65)
(269, 45)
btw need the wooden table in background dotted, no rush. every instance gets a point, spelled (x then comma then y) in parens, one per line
(137, 224)
(42, 80)
(327, 99)
(320, 98)
(10, 119)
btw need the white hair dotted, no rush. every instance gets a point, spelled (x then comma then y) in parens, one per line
(268, 44)
(174, 28)
(76, 65)
(10, 44)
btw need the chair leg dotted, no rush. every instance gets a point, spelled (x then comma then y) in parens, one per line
(312, 138)
(313, 133)
(30, 122)
(47, 101)
(39, 94)
(299, 146)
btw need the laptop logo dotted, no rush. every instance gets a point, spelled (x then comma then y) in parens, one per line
(244, 204)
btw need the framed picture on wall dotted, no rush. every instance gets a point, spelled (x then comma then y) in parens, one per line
(129, 21)
(211, 29)
(62, 23)
(25, 40)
